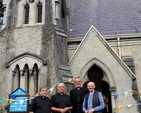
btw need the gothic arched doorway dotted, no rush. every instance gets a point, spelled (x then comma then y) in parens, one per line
(95, 74)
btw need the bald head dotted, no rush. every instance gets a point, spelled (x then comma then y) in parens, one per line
(91, 83)
(91, 86)
(61, 88)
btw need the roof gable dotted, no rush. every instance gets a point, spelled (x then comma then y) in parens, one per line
(98, 44)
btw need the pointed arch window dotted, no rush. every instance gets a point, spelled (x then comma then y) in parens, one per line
(39, 12)
(26, 18)
(26, 78)
(16, 77)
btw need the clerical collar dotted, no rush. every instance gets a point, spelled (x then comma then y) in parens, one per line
(78, 88)
(42, 96)
(61, 93)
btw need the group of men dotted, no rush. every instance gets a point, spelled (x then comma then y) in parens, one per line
(81, 100)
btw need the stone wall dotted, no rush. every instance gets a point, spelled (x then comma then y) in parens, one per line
(95, 50)
(132, 50)
(135, 52)
(34, 44)
(3, 49)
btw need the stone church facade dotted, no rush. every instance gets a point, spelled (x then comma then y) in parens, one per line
(33, 46)
(37, 48)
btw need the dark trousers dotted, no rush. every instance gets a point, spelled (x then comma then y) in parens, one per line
(77, 111)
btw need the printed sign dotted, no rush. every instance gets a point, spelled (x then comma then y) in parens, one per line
(18, 101)
(18, 104)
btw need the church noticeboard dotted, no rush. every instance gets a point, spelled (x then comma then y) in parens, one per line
(19, 101)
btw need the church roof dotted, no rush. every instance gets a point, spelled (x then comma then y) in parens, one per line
(109, 17)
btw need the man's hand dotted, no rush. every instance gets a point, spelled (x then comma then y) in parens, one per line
(86, 111)
(62, 110)
(91, 111)
(67, 108)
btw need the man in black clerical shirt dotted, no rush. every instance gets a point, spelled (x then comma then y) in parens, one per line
(61, 102)
(41, 103)
(77, 96)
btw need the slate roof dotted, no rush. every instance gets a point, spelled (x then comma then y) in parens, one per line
(109, 17)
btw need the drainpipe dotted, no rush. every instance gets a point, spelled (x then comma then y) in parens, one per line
(112, 90)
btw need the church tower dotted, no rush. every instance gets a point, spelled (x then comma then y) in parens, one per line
(33, 45)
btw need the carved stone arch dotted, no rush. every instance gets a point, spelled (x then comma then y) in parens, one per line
(37, 1)
(107, 77)
(28, 72)
(104, 68)
(26, 55)
(31, 52)
(26, 2)
(21, 10)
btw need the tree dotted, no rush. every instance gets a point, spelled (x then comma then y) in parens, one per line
(2, 9)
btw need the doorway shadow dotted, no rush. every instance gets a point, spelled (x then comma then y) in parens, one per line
(95, 74)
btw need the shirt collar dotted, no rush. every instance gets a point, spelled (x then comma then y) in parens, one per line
(91, 93)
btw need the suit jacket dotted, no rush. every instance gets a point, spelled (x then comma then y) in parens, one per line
(77, 95)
